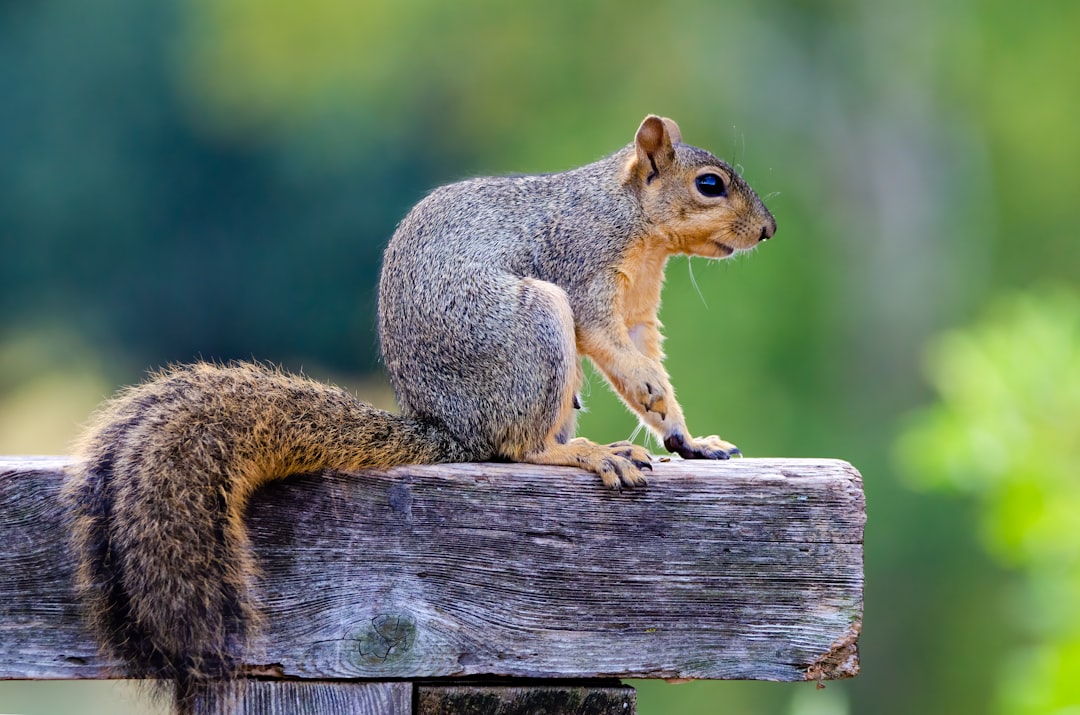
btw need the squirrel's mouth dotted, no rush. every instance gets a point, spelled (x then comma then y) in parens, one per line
(723, 249)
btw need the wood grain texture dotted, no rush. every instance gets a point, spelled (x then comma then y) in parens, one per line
(745, 569)
(525, 699)
(255, 697)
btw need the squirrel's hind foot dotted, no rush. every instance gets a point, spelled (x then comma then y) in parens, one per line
(619, 464)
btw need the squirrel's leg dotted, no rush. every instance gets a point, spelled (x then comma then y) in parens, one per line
(546, 314)
(619, 464)
(502, 377)
(630, 359)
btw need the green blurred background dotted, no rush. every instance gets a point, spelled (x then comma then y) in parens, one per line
(217, 178)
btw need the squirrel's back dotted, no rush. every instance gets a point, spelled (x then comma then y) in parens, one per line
(537, 225)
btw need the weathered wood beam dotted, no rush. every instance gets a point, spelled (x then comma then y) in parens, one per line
(745, 569)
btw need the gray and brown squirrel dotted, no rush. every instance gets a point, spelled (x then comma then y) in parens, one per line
(492, 291)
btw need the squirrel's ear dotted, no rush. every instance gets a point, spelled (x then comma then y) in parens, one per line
(673, 130)
(654, 142)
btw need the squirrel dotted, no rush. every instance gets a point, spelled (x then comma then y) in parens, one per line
(492, 290)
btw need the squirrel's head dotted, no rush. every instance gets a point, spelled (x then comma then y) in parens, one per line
(693, 199)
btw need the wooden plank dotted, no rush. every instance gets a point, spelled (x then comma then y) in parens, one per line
(291, 697)
(746, 569)
(609, 699)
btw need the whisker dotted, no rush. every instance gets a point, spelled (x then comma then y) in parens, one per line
(693, 281)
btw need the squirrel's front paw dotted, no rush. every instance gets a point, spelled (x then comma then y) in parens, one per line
(711, 447)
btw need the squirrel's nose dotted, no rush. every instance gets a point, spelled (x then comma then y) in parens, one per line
(768, 230)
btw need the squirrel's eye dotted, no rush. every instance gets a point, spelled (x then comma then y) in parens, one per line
(711, 185)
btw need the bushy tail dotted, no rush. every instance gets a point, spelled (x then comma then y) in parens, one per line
(163, 563)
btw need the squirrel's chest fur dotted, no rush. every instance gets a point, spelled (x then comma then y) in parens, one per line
(638, 281)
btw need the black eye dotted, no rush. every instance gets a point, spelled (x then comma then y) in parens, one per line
(711, 185)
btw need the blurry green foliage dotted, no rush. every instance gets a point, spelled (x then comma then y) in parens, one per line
(1006, 429)
(49, 384)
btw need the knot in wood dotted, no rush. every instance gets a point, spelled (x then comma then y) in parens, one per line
(387, 639)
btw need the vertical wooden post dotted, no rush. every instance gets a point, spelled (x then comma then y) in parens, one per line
(291, 697)
(609, 698)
